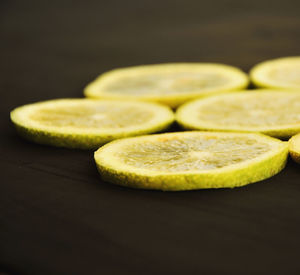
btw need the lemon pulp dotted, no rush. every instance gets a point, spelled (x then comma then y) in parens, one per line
(166, 83)
(192, 153)
(89, 115)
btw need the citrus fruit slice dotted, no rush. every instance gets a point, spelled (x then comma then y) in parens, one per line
(191, 160)
(294, 147)
(171, 84)
(88, 123)
(277, 73)
(275, 113)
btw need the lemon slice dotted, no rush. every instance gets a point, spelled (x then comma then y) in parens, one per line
(275, 113)
(277, 73)
(294, 147)
(171, 84)
(88, 123)
(191, 160)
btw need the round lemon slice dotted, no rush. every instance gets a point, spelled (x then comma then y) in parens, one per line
(191, 160)
(88, 123)
(171, 84)
(277, 73)
(294, 147)
(275, 113)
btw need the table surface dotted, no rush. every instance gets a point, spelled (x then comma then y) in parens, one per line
(57, 217)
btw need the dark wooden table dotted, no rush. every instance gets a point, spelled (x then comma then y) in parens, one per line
(57, 217)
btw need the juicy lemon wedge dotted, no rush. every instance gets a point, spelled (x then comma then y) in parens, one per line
(277, 73)
(294, 148)
(191, 160)
(275, 113)
(171, 84)
(88, 123)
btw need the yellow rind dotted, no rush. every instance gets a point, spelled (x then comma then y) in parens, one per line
(81, 139)
(257, 73)
(92, 89)
(281, 132)
(235, 176)
(294, 148)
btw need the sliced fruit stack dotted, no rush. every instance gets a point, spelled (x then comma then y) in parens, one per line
(231, 150)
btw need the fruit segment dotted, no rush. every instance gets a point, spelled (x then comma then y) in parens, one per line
(191, 160)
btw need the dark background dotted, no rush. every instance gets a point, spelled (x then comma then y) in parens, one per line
(57, 217)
